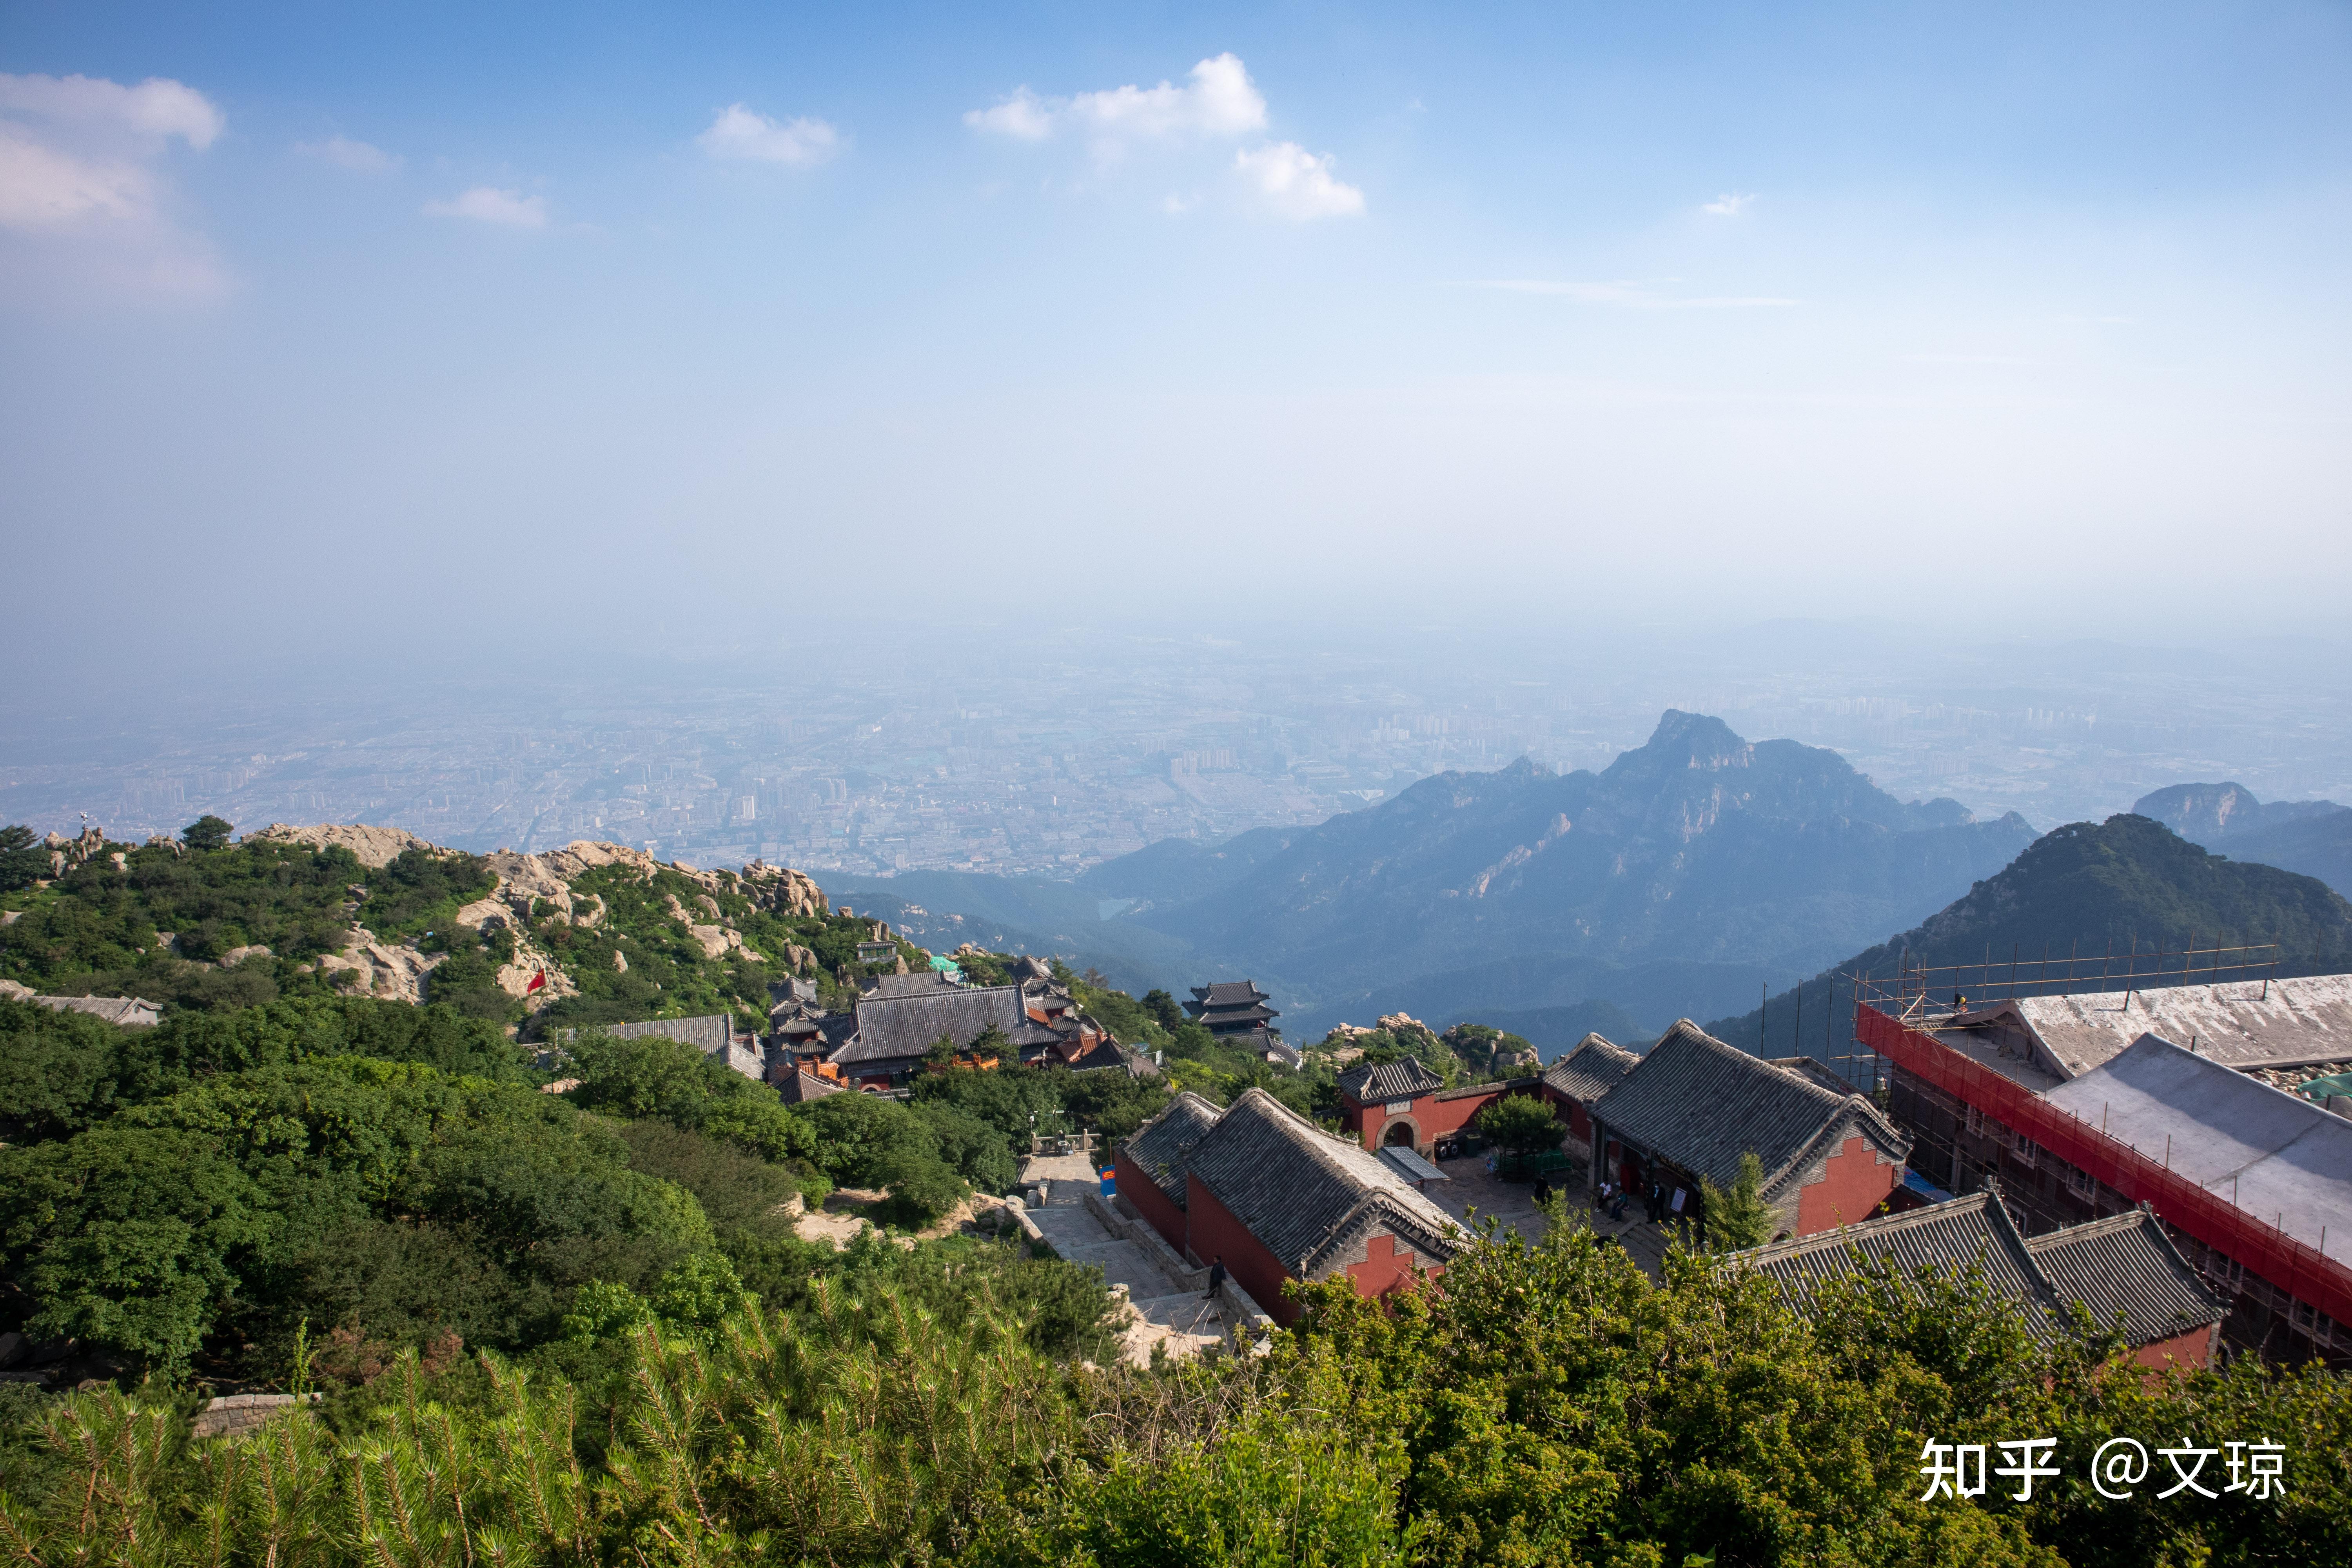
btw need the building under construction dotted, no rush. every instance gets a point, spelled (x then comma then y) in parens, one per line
(2084, 1096)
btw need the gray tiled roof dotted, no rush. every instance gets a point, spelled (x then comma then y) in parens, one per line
(1974, 1231)
(921, 982)
(711, 1032)
(2127, 1264)
(904, 1028)
(1160, 1145)
(1591, 1070)
(799, 1087)
(1702, 1104)
(1304, 1194)
(1101, 1055)
(131, 1011)
(1411, 1166)
(1402, 1079)
(1229, 994)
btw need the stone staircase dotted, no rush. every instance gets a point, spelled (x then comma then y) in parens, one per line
(1164, 1310)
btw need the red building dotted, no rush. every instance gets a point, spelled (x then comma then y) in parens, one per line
(2253, 1183)
(1403, 1102)
(1279, 1199)
(2122, 1266)
(1693, 1106)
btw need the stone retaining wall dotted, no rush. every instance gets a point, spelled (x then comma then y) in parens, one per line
(235, 1414)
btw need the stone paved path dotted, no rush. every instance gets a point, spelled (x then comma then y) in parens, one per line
(1164, 1311)
(1473, 1193)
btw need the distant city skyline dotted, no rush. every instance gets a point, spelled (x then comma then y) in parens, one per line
(1046, 755)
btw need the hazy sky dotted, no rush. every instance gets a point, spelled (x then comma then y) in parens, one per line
(358, 328)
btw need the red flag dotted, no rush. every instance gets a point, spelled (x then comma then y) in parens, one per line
(537, 981)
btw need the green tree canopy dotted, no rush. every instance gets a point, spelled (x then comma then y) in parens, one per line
(207, 832)
(1521, 1124)
(130, 1240)
(23, 861)
(1736, 1218)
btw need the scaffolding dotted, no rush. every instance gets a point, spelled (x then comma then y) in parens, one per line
(1912, 991)
(2303, 1273)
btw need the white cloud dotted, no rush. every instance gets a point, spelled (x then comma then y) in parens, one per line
(1024, 116)
(741, 133)
(1729, 205)
(1633, 296)
(1296, 183)
(157, 108)
(78, 176)
(44, 187)
(487, 203)
(1219, 101)
(345, 154)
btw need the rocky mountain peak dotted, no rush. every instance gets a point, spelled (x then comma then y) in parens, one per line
(1693, 740)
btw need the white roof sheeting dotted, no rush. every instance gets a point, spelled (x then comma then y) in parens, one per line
(2241, 1023)
(2277, 1156)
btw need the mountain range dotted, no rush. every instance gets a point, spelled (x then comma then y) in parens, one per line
(1690, 873)
(2313, 837)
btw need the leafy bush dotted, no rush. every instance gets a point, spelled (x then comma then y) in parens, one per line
(1521, 1124)
(652, 1076)
(1550, 1405)
(969, 1147)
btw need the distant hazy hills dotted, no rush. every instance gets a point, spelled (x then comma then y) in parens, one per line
(2313, 837)
(1689, 872)
(2129, 881)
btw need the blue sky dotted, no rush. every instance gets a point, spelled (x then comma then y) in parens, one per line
(1575, 310)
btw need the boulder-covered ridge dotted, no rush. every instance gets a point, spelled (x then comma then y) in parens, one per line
(530, 888)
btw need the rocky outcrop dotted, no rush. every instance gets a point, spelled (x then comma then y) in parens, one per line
(782, 891)
(516, 975)
(396, 973)
(67, 853)
(528, 881)
(717, 941)
(374, 848)
(537, 886)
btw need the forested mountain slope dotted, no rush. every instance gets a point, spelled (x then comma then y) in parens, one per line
(2123, 885)
(2312, 837)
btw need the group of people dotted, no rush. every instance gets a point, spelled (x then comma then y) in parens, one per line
(1614, 1197)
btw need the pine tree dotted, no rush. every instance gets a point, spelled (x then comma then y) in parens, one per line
(1737, 1219)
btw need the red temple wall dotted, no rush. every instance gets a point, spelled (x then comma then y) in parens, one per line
(1149, 1201)
(1214, 1230)
(1854, 1182)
